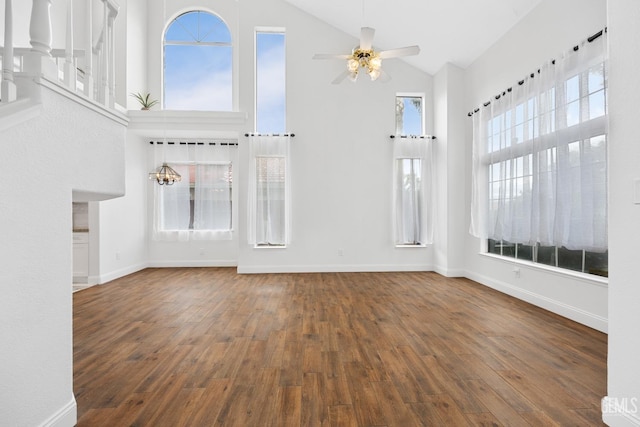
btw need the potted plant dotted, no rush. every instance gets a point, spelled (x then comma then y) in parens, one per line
(144, 100)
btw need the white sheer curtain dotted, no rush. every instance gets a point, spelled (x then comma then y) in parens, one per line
(413, 207)
(199, 207)
(172, 213)
(540, 156)
(212, 202)
(269, 215)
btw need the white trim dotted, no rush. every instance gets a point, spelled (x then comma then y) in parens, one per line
(67, 416)
(336, 268)
(576, 314)
(149, 121)
(108, 277)
(83, 100)
(189, 263)
(455, 272)
(591, 279)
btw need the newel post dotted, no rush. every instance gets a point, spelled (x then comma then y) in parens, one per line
(8, 90)
(39, 60)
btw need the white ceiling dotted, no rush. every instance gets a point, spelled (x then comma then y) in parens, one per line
(456, 31)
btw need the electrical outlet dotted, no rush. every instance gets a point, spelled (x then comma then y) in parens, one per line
(516, 272)
(340, 252)
(117, 255)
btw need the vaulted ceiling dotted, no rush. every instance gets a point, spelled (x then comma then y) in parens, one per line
(456, 31)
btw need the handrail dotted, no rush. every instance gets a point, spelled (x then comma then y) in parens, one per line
(90, 69)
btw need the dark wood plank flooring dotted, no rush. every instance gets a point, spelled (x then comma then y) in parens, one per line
(207, 347)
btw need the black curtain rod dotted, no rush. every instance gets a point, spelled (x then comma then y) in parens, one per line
(193, 143)
(270, 134)
(412, 136)
(532, 75)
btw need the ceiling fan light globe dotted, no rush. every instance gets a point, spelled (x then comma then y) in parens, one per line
(353, 76)
(375, 63)
(374, 74)
(353, 65)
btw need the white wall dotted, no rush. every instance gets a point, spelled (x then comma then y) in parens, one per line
(122, 227)
(193, 253)
(134, 66)
(624, 219)
(548, 30)
(341, 155)
(449, 152)
(44, 168)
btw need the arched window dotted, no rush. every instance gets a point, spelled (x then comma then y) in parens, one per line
(198, 71)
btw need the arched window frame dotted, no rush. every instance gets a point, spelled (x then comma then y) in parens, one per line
(232, 44)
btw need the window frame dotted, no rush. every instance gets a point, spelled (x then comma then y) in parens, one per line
(574, 133)
(420, 202)
(234, 57)
(268, 30)
(423, 115)
(192, 165)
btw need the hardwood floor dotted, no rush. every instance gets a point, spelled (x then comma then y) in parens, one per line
(205, 347)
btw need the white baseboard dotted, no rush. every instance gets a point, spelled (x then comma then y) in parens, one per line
(336, 268)
(620, 420)
(181, 263)
(67, 416)
(576, 314)
(446, 272)
(108, 277)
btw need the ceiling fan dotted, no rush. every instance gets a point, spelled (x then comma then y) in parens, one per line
(365, 57)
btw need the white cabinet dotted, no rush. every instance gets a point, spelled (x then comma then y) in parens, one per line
(80, 257)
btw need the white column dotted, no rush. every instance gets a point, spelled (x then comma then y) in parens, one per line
(98, 70)
(112, 60)
(70, 73)
(88, 51)
(8, 91)
(39, 60)
(104, 85)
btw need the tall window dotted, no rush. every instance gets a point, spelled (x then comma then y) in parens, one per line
(540, 160)
(270, 81)
(200, 205)
(409, 201)
(412, 169)
(269, 214)
(198, 63)
(409, 115)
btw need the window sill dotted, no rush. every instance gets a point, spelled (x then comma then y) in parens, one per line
(591, 278)
(270, 247)
(421, 245)
(184, 120)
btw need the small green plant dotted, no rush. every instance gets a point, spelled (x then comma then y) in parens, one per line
(145, 100)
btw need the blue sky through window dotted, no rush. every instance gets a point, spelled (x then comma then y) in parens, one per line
(411, 120)
(198, 64)
(270, 82)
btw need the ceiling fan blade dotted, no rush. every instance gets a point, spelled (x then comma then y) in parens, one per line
(330, 56)
(340, 78)
(403, 51)
(366, 37)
